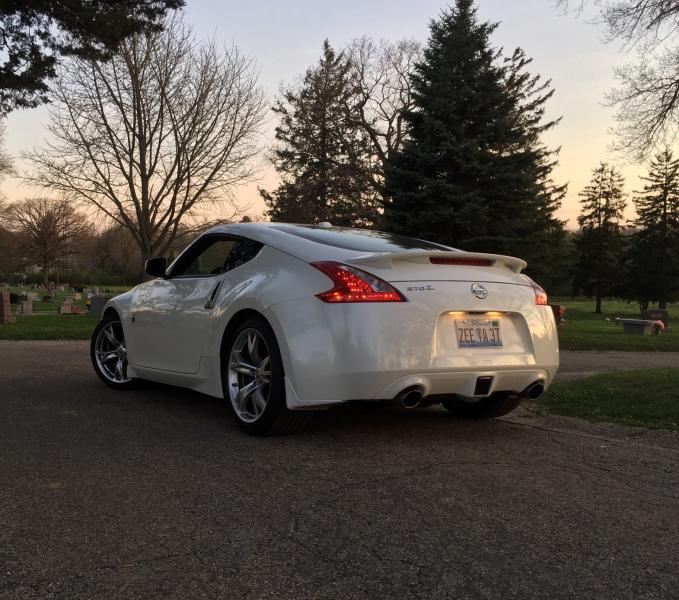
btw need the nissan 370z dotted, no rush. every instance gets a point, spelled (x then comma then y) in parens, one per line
(281, 320)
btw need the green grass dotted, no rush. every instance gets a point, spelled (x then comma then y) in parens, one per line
(585, 330)
(50, 327)
(645, 397)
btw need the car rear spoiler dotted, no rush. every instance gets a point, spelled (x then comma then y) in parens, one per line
(386, 260)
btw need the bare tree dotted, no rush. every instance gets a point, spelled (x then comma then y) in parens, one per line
(166, 126)
(5, 160)
(647, 96)
(380, 73)
(47, 230)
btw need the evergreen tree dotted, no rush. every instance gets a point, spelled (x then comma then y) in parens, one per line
(600, 242)
(322, 156)
(474, 172)
(654, 248)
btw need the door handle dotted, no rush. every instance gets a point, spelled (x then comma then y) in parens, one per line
(213, 295)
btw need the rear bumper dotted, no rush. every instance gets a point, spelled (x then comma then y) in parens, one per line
(336, 353)
(361, 386)
(464, 383)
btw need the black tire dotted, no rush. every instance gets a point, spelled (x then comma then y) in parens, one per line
(496, 405)
(110, 319)
(276, 418)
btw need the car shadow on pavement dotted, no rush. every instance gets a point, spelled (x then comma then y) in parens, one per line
(362, 418)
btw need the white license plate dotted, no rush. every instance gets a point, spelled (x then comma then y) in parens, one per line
(478, 333)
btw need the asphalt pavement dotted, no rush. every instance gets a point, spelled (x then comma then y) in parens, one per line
(154, 493)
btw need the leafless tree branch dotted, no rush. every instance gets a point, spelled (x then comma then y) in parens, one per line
(148, 138)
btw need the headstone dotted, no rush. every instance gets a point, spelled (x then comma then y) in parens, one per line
(638, 326)
(97, 304)
(31, 296)
(76, 309)
(5, 309)
(14, 298)
(657, 314)
(68, 300)
(64, 309)
(27, 307)
(78, 296)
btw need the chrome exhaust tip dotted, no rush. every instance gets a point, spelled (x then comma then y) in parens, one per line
(411, 397)
(534, 390)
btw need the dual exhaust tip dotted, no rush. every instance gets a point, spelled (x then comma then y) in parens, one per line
(412, 397)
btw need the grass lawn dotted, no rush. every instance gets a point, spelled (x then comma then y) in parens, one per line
(648, 398)
(49, 327)
(585, 330)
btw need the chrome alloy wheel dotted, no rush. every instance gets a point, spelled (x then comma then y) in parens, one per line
(249, 375)
(111, 352)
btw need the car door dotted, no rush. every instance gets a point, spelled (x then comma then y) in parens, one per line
(169, 328)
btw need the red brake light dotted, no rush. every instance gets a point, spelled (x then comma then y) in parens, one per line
(465, 262)
(353, 285)
(540, 294)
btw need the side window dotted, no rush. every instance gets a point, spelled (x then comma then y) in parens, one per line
(215, 255)
(207, 257)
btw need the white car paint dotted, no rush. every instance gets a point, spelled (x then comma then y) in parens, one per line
(334, 353)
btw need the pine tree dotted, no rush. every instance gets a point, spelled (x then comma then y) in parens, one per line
(322, 156)
(654, 248)
(475, 173)
(600, 242)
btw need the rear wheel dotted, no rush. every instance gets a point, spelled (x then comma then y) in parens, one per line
(496, 405)
(254, 384)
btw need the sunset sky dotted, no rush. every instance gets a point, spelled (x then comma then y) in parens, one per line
(285, 37)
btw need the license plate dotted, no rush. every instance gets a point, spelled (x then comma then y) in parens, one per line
(478, 333)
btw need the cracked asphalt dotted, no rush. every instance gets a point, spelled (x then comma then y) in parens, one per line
(155, 494)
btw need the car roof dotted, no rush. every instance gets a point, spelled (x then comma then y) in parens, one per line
(295, 239)
(267, 233)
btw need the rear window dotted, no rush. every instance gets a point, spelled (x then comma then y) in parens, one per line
(361, 240)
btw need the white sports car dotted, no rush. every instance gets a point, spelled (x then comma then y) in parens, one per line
(284, 319)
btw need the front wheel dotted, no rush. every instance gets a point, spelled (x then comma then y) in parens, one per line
(496, 405)
(254, 384)
(108, 353)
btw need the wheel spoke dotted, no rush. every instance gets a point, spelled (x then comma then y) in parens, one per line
(264, 368)
(106, 355)
(245, 392)
(253, 343)
(243, 368)
(258, 400)
(110, 336)
(119, 369)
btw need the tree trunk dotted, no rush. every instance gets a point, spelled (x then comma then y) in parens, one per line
(142, 267)
(45, 276)
(599, 299)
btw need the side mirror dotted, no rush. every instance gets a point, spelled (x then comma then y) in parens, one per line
(156, 267)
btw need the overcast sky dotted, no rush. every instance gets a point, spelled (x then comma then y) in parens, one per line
(284, 37)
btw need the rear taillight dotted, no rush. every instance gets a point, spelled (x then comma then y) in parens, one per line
(353, 285)
(540, 294)
(463, 262)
